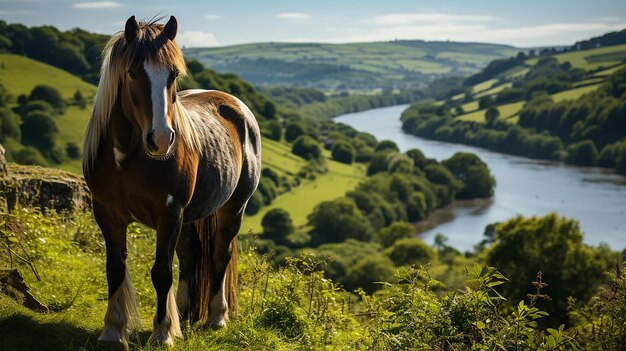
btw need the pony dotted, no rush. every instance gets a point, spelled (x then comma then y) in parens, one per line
(184, 163)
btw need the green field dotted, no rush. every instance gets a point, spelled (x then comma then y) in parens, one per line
(301, 201)
(357, 66)
(20, 75)
(510, 111)
(592, 59)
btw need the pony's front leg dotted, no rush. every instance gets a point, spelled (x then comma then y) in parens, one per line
(167, 320)
(122, 312)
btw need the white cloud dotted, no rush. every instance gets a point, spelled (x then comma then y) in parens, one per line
(196, 38)
(97, 5)
(434, 17)
(294, 16)
(212, 17)
(541, 35)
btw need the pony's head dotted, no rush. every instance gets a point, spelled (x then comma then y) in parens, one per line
(148, 62)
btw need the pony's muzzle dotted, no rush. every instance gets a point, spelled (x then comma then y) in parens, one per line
(159, 143)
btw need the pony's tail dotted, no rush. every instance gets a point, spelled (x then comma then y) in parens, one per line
(207, 229)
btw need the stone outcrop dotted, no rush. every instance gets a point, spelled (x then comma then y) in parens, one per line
(45, 188)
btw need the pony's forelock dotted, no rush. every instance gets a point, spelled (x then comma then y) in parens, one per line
(117, 57)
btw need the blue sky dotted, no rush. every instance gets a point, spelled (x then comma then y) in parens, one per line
(227, 22)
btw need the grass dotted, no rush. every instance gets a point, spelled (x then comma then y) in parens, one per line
(68, 253)
(20, 74)
(494, 90)
(278, 156)
(301, 201)
(486, 85)
(509, 112)
(592, 59)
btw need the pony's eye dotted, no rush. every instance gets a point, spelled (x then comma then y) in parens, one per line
(176, 73)
(131, 74)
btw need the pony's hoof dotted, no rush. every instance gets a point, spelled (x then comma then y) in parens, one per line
(161, 339)
(109, 345)
(217, 322)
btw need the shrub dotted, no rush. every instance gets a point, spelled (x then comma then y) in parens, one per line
(583, 153)
(307, 148)
(343, 152)
(409, 251)
(277, 225)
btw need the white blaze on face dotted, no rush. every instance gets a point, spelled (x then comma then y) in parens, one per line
(158, 76)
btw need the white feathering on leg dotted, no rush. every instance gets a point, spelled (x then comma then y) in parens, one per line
(122, 315)
(169, 329)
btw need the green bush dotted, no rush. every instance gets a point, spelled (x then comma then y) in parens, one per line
(343, 152)
(307, 148)
(409, 251)
(583, 153)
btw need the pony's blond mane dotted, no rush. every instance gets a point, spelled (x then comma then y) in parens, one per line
(117, 57)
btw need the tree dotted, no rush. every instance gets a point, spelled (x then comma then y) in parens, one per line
(343, 152)
(387, 145)
(80, 99)
(369, 272)
(277, 225)
(40, 130)
(9, 125)
(491, 116)
(272, 130)
(293, 131)
(307, 148)
(553, 245)
(338, 220)
(409, 251)
(72, 150)
(396, 231)
(473, 174)
(48, 94)
(583, 153)
(30, 156)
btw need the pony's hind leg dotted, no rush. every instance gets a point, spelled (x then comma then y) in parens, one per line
(167, 320)
(229, 223)
(122, 313)
(187, 250)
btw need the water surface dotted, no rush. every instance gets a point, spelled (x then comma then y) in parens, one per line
(595, 197)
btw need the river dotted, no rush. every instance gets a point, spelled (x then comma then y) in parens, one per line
(593, 196)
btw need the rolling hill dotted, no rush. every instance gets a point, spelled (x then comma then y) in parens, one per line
(357, 66)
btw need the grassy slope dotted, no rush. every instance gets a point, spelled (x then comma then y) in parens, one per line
(301, 201)
(69, 256)
(588, 59)
(21, 74)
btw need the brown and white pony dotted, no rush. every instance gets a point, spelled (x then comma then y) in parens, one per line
(182, 163)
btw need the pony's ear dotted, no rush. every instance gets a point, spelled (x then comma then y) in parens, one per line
(171, 27)
(131, 30)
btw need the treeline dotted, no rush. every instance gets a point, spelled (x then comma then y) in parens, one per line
(608, 39)
(76, 51)
(594, 126)
(435, 122)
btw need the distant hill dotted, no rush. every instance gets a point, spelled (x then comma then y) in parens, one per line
(357, 66)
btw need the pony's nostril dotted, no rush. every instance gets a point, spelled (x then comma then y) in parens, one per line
(171, 138)
(150, 141)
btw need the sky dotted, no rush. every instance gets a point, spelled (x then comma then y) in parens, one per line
(228, 22)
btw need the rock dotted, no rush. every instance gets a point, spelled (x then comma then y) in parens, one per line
(4, 171)
(45, 188)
